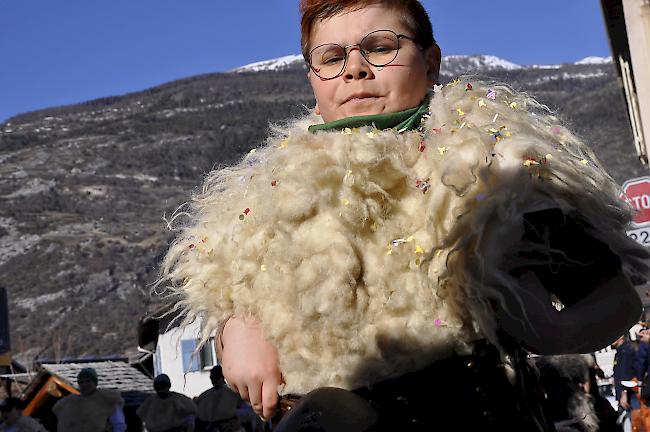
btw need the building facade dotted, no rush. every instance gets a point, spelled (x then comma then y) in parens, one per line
(178, 355)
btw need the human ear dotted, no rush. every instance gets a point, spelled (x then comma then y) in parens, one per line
(433, 57)
(309, 77)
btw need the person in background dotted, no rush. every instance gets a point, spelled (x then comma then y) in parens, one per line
(167, 411)
(606, 414)
(566, 382)
(642, 358)
(217, 406)
(92, 410)
(624, 370)
(250, 421)
(13, 419)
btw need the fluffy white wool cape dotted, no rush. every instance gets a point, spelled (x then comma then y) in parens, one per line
(76, 413)
(353, 248)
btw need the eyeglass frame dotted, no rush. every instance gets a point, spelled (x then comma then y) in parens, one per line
(346, 50)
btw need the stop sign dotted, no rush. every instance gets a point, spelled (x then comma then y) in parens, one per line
(636, 191)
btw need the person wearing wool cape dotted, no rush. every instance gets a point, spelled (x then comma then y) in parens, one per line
(13, 419)
(392, 258)
(216, 408)
(167, 411)
(92, 410)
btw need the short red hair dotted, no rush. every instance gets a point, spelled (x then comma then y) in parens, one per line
(415, 17)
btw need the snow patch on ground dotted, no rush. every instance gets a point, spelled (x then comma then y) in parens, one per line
(536, 66)
(569, 76)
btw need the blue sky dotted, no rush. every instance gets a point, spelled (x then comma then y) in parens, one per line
(66, 51)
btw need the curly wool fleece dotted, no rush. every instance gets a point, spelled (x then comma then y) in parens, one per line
(357, 250)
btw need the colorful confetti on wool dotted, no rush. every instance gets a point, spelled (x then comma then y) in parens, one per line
(244, 213)
(423, 185)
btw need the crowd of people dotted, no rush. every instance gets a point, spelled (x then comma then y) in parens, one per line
(97, 409)
(631, 376)
(575, 403)
(13, 419)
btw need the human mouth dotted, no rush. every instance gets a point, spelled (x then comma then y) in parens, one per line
(360, 97)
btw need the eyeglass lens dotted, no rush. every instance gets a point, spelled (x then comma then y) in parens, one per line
(379, 48)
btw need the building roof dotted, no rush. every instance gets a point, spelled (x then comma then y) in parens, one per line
(119, 376)
(159, 321)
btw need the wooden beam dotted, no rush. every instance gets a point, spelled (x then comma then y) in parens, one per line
(39, 398)
(49, 388)
(65, 385)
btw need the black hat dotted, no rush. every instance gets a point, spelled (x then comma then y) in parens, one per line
(162, 379)
(89, 374)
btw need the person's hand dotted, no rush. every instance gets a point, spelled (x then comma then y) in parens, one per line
(623, 403)
(250, 365)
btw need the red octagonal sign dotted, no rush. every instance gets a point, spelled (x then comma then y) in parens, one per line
(636, 191)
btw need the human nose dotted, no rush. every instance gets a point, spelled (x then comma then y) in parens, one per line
(357, 66)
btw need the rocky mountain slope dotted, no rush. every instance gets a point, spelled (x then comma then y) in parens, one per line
(84, 188)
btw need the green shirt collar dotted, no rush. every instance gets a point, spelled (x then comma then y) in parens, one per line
(409, 119)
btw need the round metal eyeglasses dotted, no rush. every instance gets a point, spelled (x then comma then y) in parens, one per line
(379, 48)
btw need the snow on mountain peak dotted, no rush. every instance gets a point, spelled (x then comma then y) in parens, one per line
(451, 64)
(594, 60)
(496, 62)
(272, 64)
(470, 62)
(481, 62)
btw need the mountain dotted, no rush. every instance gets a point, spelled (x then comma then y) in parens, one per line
(451, 65)
(84, 188)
